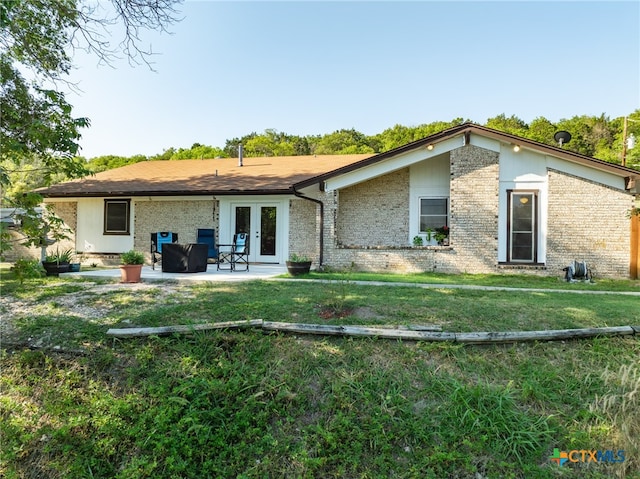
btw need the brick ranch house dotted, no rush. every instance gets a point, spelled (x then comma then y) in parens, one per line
(510, 205)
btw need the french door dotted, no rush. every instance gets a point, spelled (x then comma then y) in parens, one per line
(260, 222)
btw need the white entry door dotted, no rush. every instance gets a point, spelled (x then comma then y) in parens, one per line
(260, 221)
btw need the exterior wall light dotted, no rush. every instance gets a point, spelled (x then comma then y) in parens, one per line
(516, 148)
(430, 146)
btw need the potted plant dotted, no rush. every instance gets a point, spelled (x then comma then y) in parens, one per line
(430, 236)
(298, 264)
(417, 240)
(57, 262)
(74, 266)
(442, 235)
(55, 231)
(131, 266)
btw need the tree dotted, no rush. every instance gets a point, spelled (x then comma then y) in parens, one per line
(512, 125)
(343, 142)
(542, 130)
(37, 130)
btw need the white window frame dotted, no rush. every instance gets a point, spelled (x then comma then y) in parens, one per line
(420, 215)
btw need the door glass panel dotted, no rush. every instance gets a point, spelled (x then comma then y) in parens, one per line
(243, 219)
(521, 246)
(522, 213)
(268, 230)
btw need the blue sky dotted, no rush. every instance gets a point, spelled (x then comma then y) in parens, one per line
(307, 68)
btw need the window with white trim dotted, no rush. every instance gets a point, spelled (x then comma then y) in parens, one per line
(116, 217)
(434, 214)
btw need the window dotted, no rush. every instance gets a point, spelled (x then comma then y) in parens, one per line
(522, 227)
(433, 213)
(116, 217)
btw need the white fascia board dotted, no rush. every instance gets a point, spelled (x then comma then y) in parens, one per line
(582, 171)
(485, 143)
(402, 160)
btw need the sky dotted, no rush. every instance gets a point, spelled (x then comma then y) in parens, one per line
(228, 69)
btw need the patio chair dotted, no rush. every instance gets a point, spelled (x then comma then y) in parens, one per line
(208, 237)
(157, 240)
(234, 254)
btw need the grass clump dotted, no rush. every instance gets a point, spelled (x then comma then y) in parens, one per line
(619, 410)
(491, 414)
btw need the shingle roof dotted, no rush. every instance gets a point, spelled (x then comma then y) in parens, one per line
(262, 175)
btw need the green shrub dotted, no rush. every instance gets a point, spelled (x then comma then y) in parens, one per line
(27, 269)
(132, 257)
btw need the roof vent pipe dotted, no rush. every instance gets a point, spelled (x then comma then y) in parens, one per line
(240, 155)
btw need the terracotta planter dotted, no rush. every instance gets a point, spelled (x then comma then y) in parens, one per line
(130, 273)
(295, 268)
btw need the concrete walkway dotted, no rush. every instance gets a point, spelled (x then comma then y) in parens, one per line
(272, 271)
(257, 271)
(470, 286)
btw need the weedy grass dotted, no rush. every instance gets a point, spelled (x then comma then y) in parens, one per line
(249, 404)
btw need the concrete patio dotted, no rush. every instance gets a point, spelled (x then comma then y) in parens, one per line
(256, 271)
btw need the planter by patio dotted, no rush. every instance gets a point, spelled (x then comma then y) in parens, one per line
(296, 268)
(130, 273)
(54, 269)
(74, 267)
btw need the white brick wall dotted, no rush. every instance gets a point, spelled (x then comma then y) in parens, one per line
(183, 217)
(587, 222)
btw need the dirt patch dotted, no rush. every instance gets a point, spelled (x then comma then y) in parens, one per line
(331, 313)
(92, 303)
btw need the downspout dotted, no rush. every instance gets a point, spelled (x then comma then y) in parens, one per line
(300, 195)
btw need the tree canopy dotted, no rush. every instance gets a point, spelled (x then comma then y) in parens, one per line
(39, 135)
(599, 137)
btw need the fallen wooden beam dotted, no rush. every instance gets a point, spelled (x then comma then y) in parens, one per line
(550, 335)
(412, 327)
(413, 333)
(357, 331)
(188, 328)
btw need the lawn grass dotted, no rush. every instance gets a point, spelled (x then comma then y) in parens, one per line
(250, 404)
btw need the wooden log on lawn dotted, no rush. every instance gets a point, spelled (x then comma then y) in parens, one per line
(188, 328)
(412, 327)
(551, 335)
(357, 331)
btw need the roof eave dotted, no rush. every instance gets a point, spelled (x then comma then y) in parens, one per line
(109, 194)
(467, 128)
